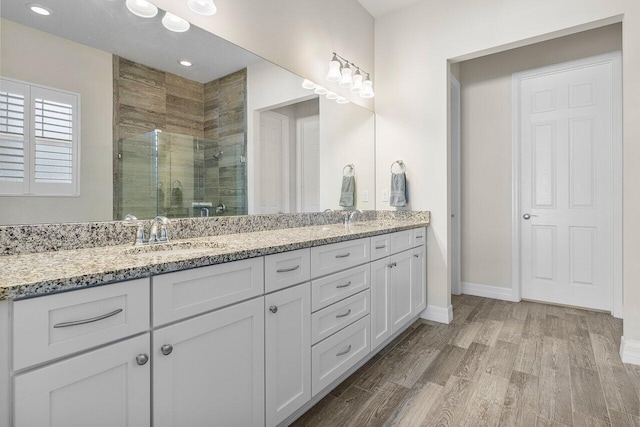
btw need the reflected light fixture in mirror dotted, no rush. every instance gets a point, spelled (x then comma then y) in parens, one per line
(174, 23)
(185, 63)
(342, 100)
(335, 67)
(332, 96)
(203, 7)
(320, 90)
(142, 8)
(308, 84)
(39, 9)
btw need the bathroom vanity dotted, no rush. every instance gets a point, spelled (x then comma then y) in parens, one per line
(249, 329)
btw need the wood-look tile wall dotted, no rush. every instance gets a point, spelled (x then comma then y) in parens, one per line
(146, 99)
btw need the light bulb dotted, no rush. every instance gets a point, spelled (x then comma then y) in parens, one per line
(203, 7)
(174, 23)
(334, 70)
(357, 82)
(346, 80)
(320, 90)
(308, 84)
(142, 8)
(367, 89)
(331, 95)
(342, 100)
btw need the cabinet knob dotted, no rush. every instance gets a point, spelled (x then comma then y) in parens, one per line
(273, 309)
(393, 264)
(166, 349)
(416, 255)
(142, 359)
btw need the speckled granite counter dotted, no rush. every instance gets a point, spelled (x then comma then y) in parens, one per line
(38, 274)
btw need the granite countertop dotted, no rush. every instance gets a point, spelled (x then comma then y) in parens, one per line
(38, 274)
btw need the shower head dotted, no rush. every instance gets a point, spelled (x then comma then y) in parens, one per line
(218, 154)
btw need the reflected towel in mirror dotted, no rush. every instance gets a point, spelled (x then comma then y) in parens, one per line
(348, 191)
(398, 190)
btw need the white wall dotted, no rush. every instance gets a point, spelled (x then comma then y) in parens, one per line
(413, 46)
(36, 57)
(486, 146)
(299, 35)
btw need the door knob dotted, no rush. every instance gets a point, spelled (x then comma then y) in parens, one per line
(527, 216)
(166, 349)
(142, 359)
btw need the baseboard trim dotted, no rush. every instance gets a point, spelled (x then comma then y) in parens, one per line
(630, 351)
(488, 291)
(438, 314)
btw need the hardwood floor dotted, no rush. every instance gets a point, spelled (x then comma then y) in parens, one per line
(497, 364)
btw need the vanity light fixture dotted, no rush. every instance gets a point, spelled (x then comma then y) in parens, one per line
(341, 70)
(308, 84)
(347, 76)
(185, 63)
(335, 67)
(174, 23)
(39, 9)
(357, 82)
(367, 88)
(202, 7)
(342, 100)
(332, 95)
(320, 90)
(142, 8)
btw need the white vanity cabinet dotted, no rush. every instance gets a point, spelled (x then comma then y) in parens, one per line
(418, 280)
(380, 302)
(209, 370)
(105, 387)
(287, 351)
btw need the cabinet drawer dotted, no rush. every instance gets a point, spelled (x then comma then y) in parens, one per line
(339, 256)
(419, 236)
(187, 293)
(401, 241)
(380, 247)
(338, 353)
(331, 319)
(286, 269)
(334, 288)
(56, 325)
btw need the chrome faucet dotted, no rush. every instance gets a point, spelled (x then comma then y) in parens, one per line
(352, 215)
(159, 232)
(132, 221)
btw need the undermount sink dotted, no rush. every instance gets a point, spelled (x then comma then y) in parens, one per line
(174, 249)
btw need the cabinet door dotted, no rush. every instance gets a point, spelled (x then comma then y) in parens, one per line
(210, 370)
(380, 302)
(106, 387)
(287, 351)
(401, 289)
(419, 280)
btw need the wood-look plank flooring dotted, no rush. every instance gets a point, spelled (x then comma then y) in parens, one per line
(497, 364)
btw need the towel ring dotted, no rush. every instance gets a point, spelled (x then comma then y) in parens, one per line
(400, 163)
(351, 167)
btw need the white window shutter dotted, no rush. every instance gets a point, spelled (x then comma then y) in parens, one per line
(14, 137)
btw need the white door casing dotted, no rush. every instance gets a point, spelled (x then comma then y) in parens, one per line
(274, 163)
(567, 148)
(308, 164)
(455, 187)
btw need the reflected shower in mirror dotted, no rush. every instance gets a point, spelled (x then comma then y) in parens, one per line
(142, 133)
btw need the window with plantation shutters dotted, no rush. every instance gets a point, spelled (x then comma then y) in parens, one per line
(39, 140)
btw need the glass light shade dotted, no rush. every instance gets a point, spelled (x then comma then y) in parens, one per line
(334, 70)
(357, 83)
(142, 8)
(203, 7)
(320, 90)
(332, 96)
(174, 23)
(342, 100)
(308, 84)
(347, 77)
(367, 89)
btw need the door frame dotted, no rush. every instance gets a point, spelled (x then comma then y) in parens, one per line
(456, 178)
(614, 59)
(300, 156)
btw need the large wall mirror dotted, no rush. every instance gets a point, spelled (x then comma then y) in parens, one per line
(104, 113)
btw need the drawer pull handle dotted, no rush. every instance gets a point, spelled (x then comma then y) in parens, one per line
(344, 314)
(381, 247)
(343, 255)
(142, 359)
(82, 322)
(166, 349)
(419, 237)
(343, 352)
(286, 270)
(345, 285)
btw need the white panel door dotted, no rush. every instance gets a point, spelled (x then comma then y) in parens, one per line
(380, 301)
(287, 351)
(401, 306)
(106, 387)
(309, 164)
(566, 140)
(274, 192)
(209, 371)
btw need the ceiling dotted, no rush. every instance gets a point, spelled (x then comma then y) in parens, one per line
(378, 8)
(109, 26)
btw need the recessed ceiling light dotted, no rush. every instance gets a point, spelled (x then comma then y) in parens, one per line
(174, 23)
(142, 8)
(185, 63)
(202, 7)
(39, 9)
